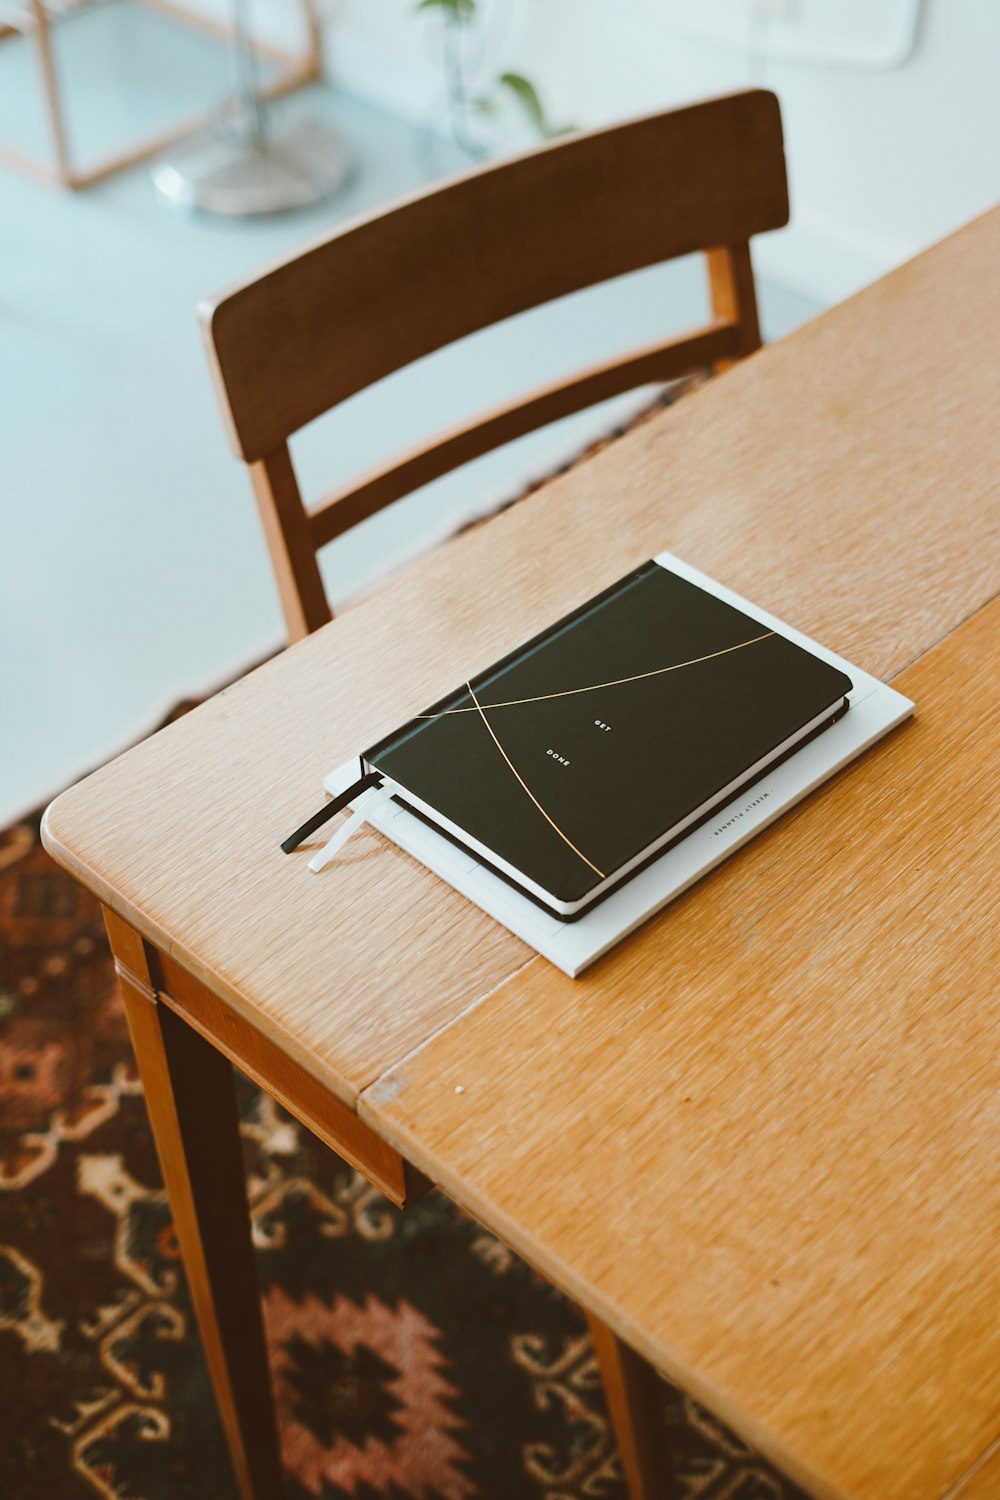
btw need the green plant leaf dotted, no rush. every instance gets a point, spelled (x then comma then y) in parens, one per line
(460, 10)
(526, 94)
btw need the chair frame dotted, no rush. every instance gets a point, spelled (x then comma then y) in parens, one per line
(287, 345)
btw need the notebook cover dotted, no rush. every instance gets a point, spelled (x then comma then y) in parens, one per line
(578, 750)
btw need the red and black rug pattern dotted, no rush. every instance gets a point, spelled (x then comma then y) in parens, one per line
(414, 1357)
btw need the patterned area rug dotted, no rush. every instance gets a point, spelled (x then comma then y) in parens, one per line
(414, 1356)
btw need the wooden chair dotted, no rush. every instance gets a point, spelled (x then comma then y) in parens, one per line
(288, 345)
(291, 343)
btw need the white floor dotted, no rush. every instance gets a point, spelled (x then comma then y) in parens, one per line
(132, 571)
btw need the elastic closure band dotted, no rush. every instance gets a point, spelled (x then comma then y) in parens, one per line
(372, 778)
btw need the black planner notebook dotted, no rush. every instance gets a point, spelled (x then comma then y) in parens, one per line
(578, 758)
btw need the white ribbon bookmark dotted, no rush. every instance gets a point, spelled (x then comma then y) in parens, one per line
(363, 809)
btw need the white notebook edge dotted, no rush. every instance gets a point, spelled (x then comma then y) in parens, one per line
(573, 946)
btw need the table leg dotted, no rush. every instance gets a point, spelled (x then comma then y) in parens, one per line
(634, 1393)
(191, 1101)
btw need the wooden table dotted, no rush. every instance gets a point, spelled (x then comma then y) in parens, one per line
(759, 1140)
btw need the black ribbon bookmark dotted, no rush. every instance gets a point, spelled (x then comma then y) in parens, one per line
(372, 778)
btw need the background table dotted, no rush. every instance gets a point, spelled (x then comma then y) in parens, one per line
(759, 1139)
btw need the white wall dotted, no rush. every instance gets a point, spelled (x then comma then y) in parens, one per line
(882, 160)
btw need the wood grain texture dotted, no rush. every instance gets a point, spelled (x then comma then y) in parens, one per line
(334, 1122)
(845, 479)
(982, 1479)
(322, 324)
(784, 1098)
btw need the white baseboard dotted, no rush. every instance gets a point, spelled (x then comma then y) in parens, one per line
(820, 263)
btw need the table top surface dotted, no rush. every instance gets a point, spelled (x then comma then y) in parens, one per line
(759, 1137)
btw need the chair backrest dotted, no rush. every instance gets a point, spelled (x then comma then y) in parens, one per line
(292, 342)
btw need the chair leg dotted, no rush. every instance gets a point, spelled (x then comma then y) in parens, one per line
(191, 1101)
(731, 287)
(635, 1402)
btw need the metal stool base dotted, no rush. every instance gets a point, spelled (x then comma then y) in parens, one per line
(285, 167)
